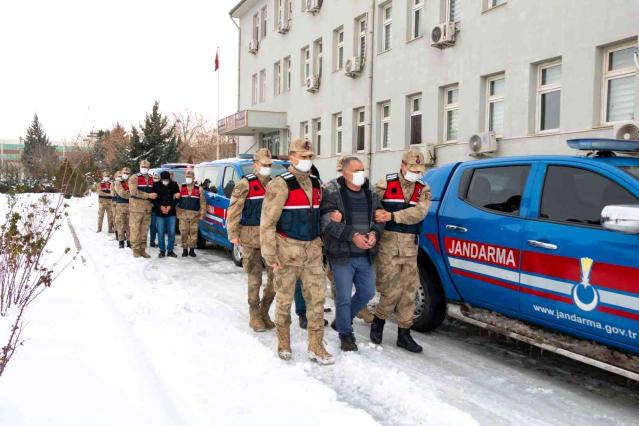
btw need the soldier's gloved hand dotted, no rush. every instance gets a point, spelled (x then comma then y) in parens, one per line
(382, 215)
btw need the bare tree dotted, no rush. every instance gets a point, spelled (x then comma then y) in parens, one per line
(198, 139)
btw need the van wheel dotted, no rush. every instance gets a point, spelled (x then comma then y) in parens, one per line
(237, 255)
(430, 301)
(201, 242)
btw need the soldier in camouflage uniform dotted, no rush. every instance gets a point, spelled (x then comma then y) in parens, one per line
(191, 208)
(122, 207)
(406, 201)
(114, 197)
(140, 199)
(105, 189)
(291, 244)
(243, 226)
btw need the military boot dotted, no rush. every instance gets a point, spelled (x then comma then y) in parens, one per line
(366, 315)
(128, 244)
(303, 320)
(136, 253)
(144, 254)
(264, 307)
(255, 321)
(121, 244)
(284, 343)
(377, 330)
(316, 350)
(405, 340)
(185, 252)
(192, 252)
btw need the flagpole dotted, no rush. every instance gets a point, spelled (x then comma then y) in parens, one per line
(217, 155)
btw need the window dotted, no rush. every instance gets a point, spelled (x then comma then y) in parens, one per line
(210, 176)
(304, 130)
(306, 64)
(287, 73)
(495, 103)
(417, 14)
(254, 89)
(256, 26)
(339, 49)
(262, 85)
(415, 110)
(620, 75)
(361, 38)
(360, 133)
(494, 3)
(277, 77)
(230, 178)
(578, 196)
(452, 10)
(387, 23)
(318, 57)
(317, 135)
(548, 97)
(451, 113)
(385, 115)
(498, 188)
(263, 14)
(337, 123)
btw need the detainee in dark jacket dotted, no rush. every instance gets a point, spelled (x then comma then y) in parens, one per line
(350, 237)
(164, 207)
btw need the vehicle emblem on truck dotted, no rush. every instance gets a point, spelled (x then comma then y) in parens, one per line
(583, 289)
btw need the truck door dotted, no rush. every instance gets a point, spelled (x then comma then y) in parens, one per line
(481, 224)
(576, 275)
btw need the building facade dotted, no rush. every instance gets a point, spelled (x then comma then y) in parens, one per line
(374, 78)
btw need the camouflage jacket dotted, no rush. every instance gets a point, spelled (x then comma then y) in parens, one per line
(193, 214)
(139, 201)
(249, 235)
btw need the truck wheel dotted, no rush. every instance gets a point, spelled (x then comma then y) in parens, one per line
(237, 255)
(430, 301)
(201, 242)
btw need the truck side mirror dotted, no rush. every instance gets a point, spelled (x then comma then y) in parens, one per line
(621, 218)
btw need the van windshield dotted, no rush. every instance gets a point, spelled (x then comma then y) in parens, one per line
(276, 169)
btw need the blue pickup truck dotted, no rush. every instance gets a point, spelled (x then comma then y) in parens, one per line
(547, 240)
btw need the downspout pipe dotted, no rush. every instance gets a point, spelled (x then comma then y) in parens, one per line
(239, 52)
(370, 61)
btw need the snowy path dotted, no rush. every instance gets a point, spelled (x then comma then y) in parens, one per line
(165, 341)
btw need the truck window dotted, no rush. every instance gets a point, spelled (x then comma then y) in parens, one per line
(577, 195)
(498, 188)
(230, 177)
(209, 177)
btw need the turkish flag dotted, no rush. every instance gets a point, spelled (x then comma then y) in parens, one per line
(217, 60)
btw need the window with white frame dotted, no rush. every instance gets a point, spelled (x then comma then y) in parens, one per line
(452, 10)
(317, 136)
(361, 37)
(262, 85)
(277, 77)
(256, 26)
(304, 134)
(385, 116)
(548, 96)
(387, 25)
(280, 11)
(306, 64)
(415, 109)
(254, 89)
(619, 85)
(319, 57)
(338, 35)
(360, 130)
(495, 104)
(337, 124)
(263, 14)
(494, 3)
(451, 113)
(287, 73)
(416, 17)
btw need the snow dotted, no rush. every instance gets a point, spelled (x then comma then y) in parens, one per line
(123, 341)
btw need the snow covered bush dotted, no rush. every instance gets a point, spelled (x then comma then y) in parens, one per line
(27, 268)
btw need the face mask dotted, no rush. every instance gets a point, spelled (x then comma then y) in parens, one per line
(265, 171)
(118, 179)
(189, 181)
(359, 178)
(156, 179)
(125, 177)
(412, 176)
(165, 182)
(144, 170)
(106, 179)
(304, 165)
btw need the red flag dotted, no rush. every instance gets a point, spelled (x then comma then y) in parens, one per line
(217, 60)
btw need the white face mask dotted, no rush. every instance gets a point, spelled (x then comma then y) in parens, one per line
(412, 176)
(304, 165)
(359, 178)
(144, 170)
(189, 181)
(265, 171)
(105, 179)
(156, 179)
(165, 182)
(125, 177)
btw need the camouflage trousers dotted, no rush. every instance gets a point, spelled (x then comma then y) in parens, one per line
(313, 287)
(188, 231)
(139, 223)
(122, 222)
(252, 263)
(397, 280)
(105, 206)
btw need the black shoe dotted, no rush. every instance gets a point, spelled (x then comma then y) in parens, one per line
(303, 320)
(377, 330)
(192, 253)
(161, 255)
(171, 254)
(121, 244)
(405, 340)
(152, 244)
(348, 342)
(185, 252)
(128, 244)
(333, 325)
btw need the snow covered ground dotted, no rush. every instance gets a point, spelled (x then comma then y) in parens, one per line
(123, 341)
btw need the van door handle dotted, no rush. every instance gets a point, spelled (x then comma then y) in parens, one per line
(539, 244)
(456, 228)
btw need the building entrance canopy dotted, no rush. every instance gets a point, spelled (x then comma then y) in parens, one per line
(250, 122)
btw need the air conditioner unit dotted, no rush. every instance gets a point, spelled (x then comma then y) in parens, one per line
(626, 130)
(283, 26)
(443, 35)
(313, 84)
(353, 66)
(253, 46)
(481, 144)
(313, 6)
